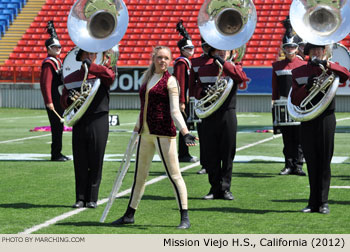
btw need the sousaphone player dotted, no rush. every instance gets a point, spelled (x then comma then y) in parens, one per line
(94, 26)
(311, 99)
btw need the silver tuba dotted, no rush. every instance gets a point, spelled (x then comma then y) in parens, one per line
(319, 24)
(224, 25)
(94, 26)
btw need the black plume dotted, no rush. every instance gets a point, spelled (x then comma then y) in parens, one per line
(182, 30)
(287, 25)
(51, 29)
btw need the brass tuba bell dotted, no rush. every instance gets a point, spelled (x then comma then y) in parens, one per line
(320, 22)
(227, 25)
(97, 25)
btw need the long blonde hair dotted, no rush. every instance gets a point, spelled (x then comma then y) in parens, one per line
(147, 75)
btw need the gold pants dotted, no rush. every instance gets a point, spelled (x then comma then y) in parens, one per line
(166, 148)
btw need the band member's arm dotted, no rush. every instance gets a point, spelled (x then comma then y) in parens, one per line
(299, 92)
(64, 98)
(340, 71)
(180, 75)
(173, 91)
(235, 72)
(191, 83)
(106, 74)
(275, 90)
(194, 86)
(46, 84)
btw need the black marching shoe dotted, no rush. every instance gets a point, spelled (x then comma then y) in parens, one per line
(308, 209)
(202, 171)
(124, 220)
(61, 158)
(227, 195)
(66, 158)
(127, 218)
(324, 209)
(286, 171)
(299, 172)
(209, 196)
(78, 204)
(91, 204)
(185, 221)
(188, 159)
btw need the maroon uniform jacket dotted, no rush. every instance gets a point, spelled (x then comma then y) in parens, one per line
(282, 76)
(182, 68)
(302, 73)
(50, 79)
(208, 76)
(74, 80)
(194, 86)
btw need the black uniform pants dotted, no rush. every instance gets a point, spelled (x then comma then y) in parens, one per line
(220, 148)
(201, 136)
(318, 147)
(90, 136)
(293, 154)
(56, 132)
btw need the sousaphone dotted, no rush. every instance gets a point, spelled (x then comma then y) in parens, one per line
(94, 26)
(320, 23)
(224, 25)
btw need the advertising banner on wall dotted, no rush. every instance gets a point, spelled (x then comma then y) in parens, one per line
(129, 81)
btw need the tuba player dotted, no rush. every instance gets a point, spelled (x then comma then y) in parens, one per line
(317, 134)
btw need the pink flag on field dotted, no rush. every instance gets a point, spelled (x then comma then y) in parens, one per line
(48, 128)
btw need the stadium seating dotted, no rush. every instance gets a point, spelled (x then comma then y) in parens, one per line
(148, 26)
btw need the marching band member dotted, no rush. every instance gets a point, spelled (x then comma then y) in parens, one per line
(90, 133)
(50, 80)
(182, 66)
(221, 126)
(317, 134)
(159, 96)
(193, 85)
(281, 84)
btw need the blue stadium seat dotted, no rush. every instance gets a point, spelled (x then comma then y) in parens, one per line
(6, 18)
(9, 12)
(18, 3)
(2, 30)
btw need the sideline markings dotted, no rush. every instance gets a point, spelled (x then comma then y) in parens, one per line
(119, 157)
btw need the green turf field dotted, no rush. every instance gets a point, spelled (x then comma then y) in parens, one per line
(34, 190)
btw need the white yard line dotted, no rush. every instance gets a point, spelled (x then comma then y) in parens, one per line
(343, 119)
(32, 137)
(25, 138)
